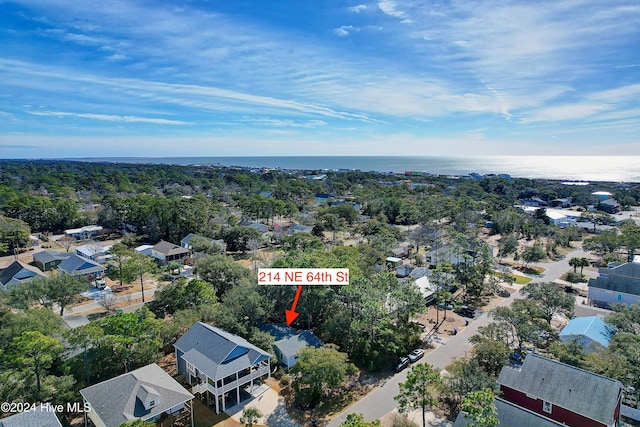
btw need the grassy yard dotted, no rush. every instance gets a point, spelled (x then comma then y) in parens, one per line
(520, 280)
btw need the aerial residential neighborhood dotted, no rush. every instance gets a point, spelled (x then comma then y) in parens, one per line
(147, 306)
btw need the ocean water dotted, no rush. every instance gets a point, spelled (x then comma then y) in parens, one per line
(570, 168)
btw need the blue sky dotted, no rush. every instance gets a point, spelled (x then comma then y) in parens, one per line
(301, 77)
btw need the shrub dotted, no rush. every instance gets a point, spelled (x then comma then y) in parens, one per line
(574, 277)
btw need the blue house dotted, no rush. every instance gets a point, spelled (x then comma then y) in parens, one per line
(18, 272)
(289, 341)
(590, 332)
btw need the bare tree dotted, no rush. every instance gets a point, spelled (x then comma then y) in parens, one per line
(108, 301)
(66, 242)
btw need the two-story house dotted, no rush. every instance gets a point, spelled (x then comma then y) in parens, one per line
(617, 283)
(221, 366)
(561, 392)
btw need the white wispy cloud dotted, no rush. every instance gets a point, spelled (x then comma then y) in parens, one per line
(109, 117)
(117, 57)
(344, 30)
(357, 9)
(389, 7)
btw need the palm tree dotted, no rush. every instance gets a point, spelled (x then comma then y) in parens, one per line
(250, 416)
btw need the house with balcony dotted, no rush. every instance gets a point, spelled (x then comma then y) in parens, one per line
(563, 393)
(220, 366)
(147, 394)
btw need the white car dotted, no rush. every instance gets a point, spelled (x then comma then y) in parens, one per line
(416, 354)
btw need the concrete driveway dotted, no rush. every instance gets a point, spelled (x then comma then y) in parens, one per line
(270, 404)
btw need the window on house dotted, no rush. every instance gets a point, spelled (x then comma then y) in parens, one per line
(619, 297)
(546, 407)
(190, 367)
(152, 403)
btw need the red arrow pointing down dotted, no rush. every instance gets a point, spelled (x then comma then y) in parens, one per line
(291, 315)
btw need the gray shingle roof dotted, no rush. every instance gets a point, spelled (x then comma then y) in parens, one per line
(512, 415)
(218, 353)
(31, 419)
(577, 390)
(168, 248)
(622, 278)
(48, 256)
(18, 272)
(76, 265)
(289, 340)
(117, 400)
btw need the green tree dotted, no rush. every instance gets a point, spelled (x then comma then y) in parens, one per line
(250, 416)
(357, 420)
(521, 322)
(319, 372)
(14, 234)
(237, 238)
(136, 267)
(222, 272)
(465, 376)
(481, 408)
(62, 290)
(38, 350)
(120, 251)
(531, 254)
(492, 355)
(550, 298)
(85, 338)
(506, 246)
(417, 392)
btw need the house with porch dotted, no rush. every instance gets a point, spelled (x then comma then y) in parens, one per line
(75, 265)
(561, 392)
(166, 252)
(147, 394)
(617, 283)
(220, 366)
(18, 272)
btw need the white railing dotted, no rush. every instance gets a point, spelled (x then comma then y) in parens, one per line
(243, 380)
(200, 388)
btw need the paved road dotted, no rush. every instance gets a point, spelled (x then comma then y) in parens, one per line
(381, 401)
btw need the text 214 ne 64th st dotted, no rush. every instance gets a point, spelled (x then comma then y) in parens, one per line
(303, 276)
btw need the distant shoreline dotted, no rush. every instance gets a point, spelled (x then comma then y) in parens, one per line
(612, 169)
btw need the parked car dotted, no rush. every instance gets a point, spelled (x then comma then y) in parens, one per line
(466, 310)
(402, 363)
(416, 355)
(445, 305)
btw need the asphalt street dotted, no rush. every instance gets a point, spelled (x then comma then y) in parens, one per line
(381, 401)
